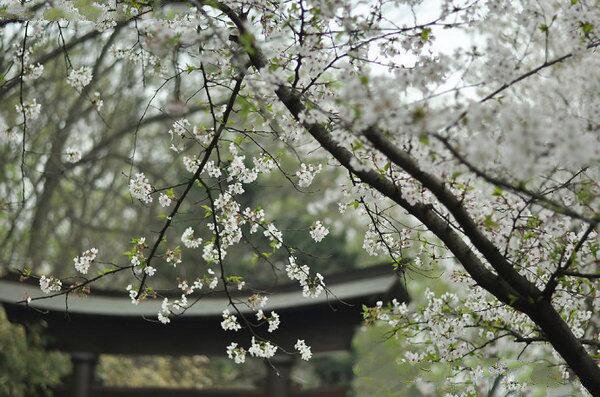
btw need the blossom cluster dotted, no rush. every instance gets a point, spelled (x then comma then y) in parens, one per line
(318, 232)
(312, 287)
(273, 320)
(79, 78)
(83, 262)
(49, 284)
(72, 155)
(307, 173)
(303, 349)
(230, 322)
(188, 240)
(140, 188)
(29, 110)
(170, 308)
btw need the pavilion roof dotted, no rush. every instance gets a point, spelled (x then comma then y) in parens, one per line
(107, 322)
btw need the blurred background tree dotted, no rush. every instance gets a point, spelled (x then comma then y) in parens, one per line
(26, 368)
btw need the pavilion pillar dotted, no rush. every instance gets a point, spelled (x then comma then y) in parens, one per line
(279, 376)
(84, 373)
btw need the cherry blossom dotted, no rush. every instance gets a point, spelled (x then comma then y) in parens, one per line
(455, 137)
(230, 322)
(164, 200)
(237, 354)
(303, 349)
(83, 262)
(79, 78)
(49, 284)
(318, 232)
(140, 188)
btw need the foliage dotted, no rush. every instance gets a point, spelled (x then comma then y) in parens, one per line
(401, 376)
(27, 369)
(194, 372)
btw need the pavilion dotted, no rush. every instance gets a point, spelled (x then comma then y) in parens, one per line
(106, 322)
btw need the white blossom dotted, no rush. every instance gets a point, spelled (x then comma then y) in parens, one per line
(274, 235)
(140, 188)
(31, 109)
(318, 231)
(188, 240)
(272, 320)
(230, 321)
(478, 118)
(79, 78)
(262, 349)
(257, 301)
(50, 284)
(163, 318)
(97, 101)
(150, 271)
(135, 260)
(164, 200)
(214, 280)
(173, 256)
(237, 354)
(83, 262)
(314, 287)
(296, 272)
(191, 164)
(72, 155)
(33, 72)
(212, 170)
(165, 312)
(306, 174)
(133, 295)
(303, 349)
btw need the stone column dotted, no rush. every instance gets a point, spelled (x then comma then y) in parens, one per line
(84, 373)
(279, 371)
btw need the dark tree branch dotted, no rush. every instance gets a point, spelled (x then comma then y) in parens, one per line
(213, 143)
(513, 290)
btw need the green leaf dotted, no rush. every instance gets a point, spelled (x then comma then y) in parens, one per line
(585, 195)
(54, 14)
(207, 210)
(533, 222)
(357, 145)
(489, 223)
(239, 139)
(425, 34)
(247, 41)
(497, 192)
